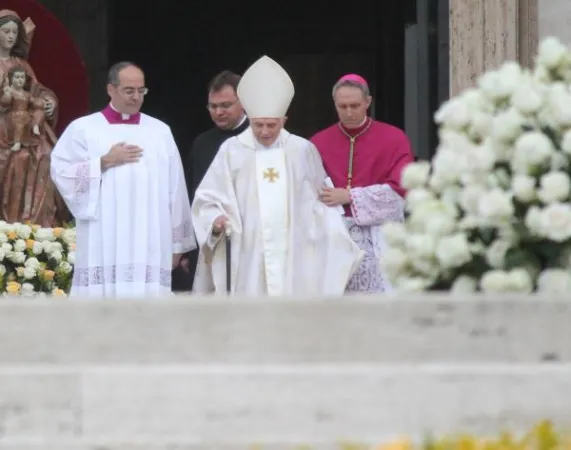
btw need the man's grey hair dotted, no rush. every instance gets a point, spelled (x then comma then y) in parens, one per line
(349, 83)
(115, 70)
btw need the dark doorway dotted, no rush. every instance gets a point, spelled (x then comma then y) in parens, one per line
(182, 44)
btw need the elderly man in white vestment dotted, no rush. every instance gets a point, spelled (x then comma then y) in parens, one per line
(263, 186)
(120, 173)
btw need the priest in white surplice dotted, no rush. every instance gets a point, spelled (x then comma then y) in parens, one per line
(263, 184)
(120, 174)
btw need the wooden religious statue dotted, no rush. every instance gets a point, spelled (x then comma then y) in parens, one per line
(28, 114)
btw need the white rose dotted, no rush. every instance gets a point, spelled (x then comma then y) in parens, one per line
(558, 110)
(71, 257)
(464, 285)
(65, 267)
(57, 255)
(453, 251)
(33, 263)
(451, 194)
(469, 197)
(496, 206)
(417, 197)
(527, 96)
(56, 247)
(3, 226)
(551, 53)
(27, 289)
(556, 222)
(554, 281)
(559, 161)
(394, 234)
(413, 283)
(69, 235)
(481, 125)
(2, 254)
(519, 280)
(533, 220)
(433, 217)
(508, 125)
(523, 188)
(499, 85)
(44, 234)
(48, 246)
(454, 113)
(2, 269)
(393, 262)
(421, 246)
(3, 238)
(532, 150)
(425, 267)
(415, 175)
(496, 253)
(566, 142)
(445, 167)
(17, 257)
(20, 245)
(37, 248)
(29, 273)
(494, 281)
(476, 164)
(6, 247)
(554, 187)
(24, 231)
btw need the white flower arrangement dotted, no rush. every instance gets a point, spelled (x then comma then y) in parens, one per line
(492, 211)
(36, 261)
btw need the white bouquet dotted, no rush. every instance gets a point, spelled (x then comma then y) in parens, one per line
(35, 260)
(492, 211)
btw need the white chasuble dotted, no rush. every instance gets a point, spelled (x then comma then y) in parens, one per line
(131, 218)
(284, 240)
(271, 173)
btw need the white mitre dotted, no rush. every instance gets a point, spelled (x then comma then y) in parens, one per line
(265, 90)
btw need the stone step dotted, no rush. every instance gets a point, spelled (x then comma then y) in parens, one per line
(193, 406)
(352, 330)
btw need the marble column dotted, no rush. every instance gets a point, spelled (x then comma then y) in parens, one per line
(485, 33)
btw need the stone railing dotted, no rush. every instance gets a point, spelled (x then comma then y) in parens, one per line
(194, 373)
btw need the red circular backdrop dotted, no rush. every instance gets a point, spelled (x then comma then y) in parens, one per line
(55, 60)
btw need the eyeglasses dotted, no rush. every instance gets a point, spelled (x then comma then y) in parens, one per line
(224, 105)
(130, 92)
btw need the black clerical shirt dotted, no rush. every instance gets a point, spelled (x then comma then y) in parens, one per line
(202, 153)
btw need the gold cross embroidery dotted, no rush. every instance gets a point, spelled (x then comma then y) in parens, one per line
(271, 175)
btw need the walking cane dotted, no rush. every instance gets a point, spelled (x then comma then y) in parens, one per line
(228, 260)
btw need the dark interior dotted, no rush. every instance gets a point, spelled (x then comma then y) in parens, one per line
(182, 44)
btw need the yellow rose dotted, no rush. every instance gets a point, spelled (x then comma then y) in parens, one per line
(47, 275)
(30, 244)
(397, 445)
(12, 235)
(57, 231)
(58, 292)
(12, 287)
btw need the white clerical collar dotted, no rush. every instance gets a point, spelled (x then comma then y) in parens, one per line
(123, 115)
(242, 120)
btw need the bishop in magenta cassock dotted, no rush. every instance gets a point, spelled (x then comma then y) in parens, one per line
(264, 184)
(364, 159)
(120, 174)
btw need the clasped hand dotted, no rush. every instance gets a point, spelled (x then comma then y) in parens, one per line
(335, 196)
(220, 224)
(122, 153)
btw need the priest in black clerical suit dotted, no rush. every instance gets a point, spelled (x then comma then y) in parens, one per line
(229, 120)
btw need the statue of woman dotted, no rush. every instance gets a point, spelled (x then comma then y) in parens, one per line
(27, 193)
